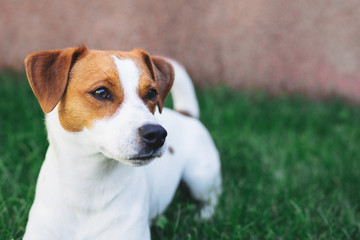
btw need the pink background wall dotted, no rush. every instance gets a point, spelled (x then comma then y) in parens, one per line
(293, 46)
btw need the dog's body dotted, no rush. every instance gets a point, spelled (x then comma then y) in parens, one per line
(88, 187)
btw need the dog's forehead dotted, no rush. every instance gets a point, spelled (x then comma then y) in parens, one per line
(129, 74)
(112, 64)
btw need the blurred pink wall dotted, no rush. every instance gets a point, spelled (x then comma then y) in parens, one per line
(304, 46)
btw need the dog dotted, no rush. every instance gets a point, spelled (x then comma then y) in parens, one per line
(115, 155)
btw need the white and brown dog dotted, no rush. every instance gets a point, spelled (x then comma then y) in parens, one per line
(102, 126)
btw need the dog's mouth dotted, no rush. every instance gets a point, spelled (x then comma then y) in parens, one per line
(140, 158)
(143, 159)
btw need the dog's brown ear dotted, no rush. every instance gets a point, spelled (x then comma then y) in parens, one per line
(164, 77)
(48, 73)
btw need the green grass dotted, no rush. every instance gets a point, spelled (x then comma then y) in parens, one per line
(290, 166)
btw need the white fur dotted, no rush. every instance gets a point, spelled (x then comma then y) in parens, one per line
(86, 188)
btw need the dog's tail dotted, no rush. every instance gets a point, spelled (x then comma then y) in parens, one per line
(183, 92)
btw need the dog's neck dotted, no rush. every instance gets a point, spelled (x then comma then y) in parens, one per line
(83, 171)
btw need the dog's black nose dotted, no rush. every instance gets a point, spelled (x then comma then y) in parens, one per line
(153, 135)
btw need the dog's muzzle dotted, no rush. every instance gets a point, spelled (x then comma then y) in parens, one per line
(153, 136)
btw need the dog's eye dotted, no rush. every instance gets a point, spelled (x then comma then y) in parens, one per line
(152, 94)
(102, 94)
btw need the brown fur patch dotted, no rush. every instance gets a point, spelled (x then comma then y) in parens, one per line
(147, 79)
(78, 108)
(171, 150)
(164, 73)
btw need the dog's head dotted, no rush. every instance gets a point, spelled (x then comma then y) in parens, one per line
(107, 96)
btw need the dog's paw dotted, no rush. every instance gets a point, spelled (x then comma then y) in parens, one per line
(207, 212)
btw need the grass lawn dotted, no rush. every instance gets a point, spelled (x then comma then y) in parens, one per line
(291, 167)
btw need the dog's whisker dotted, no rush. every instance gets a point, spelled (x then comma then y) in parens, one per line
(105, 73)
